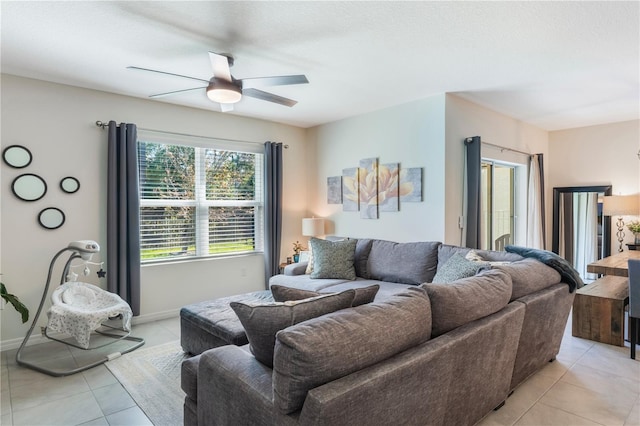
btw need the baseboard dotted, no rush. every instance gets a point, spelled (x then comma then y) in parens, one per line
(35, 339)
(156, 316)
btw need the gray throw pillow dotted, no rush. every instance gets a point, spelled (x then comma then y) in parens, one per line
(281, 293)
(458, 267)
(333, 259)
(262, 322)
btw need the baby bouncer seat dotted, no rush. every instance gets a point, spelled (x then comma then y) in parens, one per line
(81, 310)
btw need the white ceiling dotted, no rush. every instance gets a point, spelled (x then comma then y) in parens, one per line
(555, 65)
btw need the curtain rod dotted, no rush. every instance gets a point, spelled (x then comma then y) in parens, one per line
(104, 125)
(504, 148)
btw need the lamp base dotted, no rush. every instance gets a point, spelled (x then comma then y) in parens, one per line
(620, 233)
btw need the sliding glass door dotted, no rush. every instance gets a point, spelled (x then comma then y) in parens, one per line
(498, 205)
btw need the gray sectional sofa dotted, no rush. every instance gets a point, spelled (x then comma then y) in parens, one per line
(421, 353)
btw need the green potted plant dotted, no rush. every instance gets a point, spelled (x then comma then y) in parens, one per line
(297, 248)
(635, 228)
(13, 300)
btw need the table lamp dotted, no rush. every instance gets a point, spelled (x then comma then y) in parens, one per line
(312, 227)
(620, 205)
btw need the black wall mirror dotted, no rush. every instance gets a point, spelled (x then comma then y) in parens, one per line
(17, 156)
(29, 187)
(69, 185)
(51, 218)
(577, 212)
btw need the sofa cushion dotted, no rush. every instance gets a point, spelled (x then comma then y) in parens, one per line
(363, 249)
(363, 295)
(567, 272)
(407, 263)
(304, 282)
(333, 259)
(458, 267)
(262, 322)
(457, 303)
(445, 251)
(324, 349)
(529, 276)
(189, 376)
(386, 290)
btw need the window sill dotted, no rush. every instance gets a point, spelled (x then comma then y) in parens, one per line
(199, 259)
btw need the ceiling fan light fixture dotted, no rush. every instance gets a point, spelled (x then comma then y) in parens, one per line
(223, 92)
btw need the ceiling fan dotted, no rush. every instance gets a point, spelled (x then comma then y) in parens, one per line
(226, 90)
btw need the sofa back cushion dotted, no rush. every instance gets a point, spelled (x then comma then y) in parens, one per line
(406, 263)
(262, 322)
(529, 276)
(468, 299)
(363, 249)
(326, 348)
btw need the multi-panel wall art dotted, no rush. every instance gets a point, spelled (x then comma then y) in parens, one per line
(372, 188)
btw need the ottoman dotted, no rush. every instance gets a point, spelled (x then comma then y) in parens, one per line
(213, 323)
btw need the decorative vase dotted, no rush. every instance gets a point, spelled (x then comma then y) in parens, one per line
(296, 257)
(637, 235)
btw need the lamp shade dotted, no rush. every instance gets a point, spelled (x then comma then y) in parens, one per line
(621, 205)
(312, 227)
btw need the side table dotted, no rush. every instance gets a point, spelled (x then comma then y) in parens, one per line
(598, 310)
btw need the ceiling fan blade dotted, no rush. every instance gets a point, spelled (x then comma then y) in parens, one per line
(220, 65)
(280, 80)
(259, 94)
(226, 107)
(167, 73)
(159, 95)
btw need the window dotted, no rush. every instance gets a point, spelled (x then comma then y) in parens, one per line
(498, 205)
(198, 200)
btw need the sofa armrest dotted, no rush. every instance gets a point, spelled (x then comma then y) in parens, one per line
(296, 268)
(234, 388)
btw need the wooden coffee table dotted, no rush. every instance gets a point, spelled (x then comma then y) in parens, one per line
(598, 310)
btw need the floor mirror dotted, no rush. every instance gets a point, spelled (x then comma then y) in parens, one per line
(581, 233)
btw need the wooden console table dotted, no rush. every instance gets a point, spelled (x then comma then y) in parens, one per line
(614, 265)
(598, 310)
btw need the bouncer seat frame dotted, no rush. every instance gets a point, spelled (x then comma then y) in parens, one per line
(108, 306)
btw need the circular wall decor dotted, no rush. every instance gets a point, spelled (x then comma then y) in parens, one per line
(69, 184)
(51, 218)
(29, 187)
(17, 156)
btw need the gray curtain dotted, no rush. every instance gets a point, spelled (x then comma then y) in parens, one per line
(123, 215)
(272, 208)
(473, 200)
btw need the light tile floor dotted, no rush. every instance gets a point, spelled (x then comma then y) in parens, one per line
(589, 384)
(92, 397)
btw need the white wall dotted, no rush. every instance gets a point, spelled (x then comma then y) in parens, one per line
(56, 123)
(598, 155)
(465, 119)
(410, 134)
